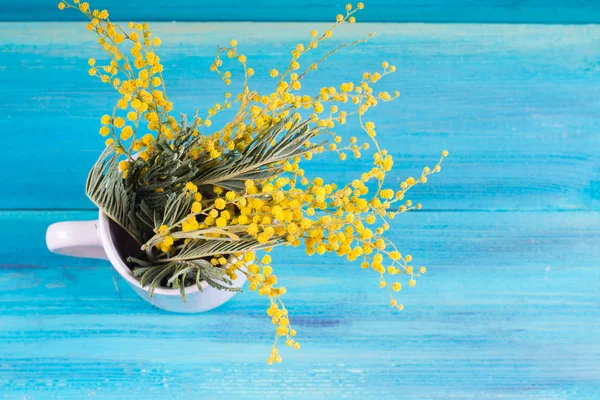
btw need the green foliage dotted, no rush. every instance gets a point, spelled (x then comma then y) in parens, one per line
(153, 194)
(262, 160)
(181, 274)
(108, 191)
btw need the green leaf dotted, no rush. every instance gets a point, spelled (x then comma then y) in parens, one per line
(105, 188)
(263, 159)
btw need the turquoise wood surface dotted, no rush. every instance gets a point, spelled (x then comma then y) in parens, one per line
(516, 104)
(509, 310)
(497, 11)
(510, 305)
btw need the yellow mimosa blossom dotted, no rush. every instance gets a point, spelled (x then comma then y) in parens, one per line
(241, 186)
(191, 187)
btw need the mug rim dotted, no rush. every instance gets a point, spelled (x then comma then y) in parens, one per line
(123, 269)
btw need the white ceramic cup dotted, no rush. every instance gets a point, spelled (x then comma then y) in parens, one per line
(96, 239)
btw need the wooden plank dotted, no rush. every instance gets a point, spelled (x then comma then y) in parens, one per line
(508, 310)
(521, 11)
(516, 106)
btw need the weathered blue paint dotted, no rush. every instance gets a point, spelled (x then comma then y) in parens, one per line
(497, 11)
(509, 307)
(514, 104)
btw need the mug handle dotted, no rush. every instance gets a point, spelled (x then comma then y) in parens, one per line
(75, 239)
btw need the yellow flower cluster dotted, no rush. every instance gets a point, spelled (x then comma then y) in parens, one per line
(291, 209)
(136, 73)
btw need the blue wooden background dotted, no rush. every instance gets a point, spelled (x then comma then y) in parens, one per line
(513, 11)
(510, 230)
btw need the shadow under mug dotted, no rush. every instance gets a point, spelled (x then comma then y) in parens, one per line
(101, 238)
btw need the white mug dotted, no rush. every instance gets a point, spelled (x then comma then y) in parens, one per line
(96, 239)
